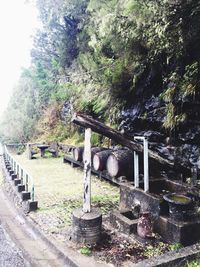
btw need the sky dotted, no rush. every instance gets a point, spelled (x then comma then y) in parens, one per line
(18, 22)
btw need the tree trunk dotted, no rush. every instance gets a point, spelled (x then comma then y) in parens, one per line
(78, 153)
(100, 159)
(120, 163)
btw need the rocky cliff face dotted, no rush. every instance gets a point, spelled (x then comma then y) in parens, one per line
(146, 117)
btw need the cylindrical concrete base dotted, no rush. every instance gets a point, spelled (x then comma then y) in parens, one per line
(87, 226)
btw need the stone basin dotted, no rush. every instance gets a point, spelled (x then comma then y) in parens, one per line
(177, 199)
(181, 207)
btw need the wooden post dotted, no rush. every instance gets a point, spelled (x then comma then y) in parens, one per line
(29, 148)
(87, 171)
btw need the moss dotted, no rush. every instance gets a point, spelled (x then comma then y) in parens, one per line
(173, 120)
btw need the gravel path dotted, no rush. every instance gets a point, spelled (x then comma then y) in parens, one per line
(10, 255)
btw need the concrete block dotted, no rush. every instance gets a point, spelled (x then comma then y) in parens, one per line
(11, 172)
(14, 176)
(17, 181)
(20, 188)
(25, 195)
(32, 205)
(124, 222)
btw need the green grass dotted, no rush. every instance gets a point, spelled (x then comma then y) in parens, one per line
(59, 190)
(85, 251)
(195, 263)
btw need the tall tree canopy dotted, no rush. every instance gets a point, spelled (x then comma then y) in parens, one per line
(105, 55)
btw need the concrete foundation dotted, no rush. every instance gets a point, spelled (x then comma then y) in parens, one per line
(17, 181)
(14, 176)
(186, 232)
(26, 195)
(11, 172)
(32, 205)
(87, 226)
(20, 188)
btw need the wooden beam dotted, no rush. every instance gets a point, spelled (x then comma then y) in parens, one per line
(98, 127)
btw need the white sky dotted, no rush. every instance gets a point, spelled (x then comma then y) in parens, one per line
(18, 21)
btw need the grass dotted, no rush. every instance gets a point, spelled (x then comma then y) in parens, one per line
(85, 251)
(59, 190)
(195, 263)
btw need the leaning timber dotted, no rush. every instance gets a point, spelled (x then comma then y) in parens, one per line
(120, 163)
(88, 122)
(100, 159)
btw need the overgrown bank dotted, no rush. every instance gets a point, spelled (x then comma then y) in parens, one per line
(132, 64)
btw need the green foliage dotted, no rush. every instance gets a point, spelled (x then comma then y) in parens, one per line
(190, 80)
(86, 251)
(20, 150)
(175, 246)
(172, 120)
(105, 202)
(101, 55)
(152, 251)
(95, 139)
(195, 263)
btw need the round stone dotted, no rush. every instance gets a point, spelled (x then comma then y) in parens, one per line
(87, 226)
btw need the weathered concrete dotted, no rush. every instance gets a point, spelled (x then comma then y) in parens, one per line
(124, 221)
(32, 205)
(186, 233)
(25, 195)
(17, 181)
(87, 226)
(14, 176)
(11, 172)
(171, 259)
(20, 188)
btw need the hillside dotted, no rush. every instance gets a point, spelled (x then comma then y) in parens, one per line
(131, 64)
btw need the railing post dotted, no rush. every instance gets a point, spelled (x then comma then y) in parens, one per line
(136, 169)
(18, 170)
(14, 167)
(146, 165)
(33, 193)
(26, 183)
(22, 175)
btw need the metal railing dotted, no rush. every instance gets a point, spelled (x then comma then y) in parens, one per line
(146, 164)
(26, 178)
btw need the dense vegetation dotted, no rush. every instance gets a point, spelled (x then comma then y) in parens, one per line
(101, 56)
